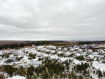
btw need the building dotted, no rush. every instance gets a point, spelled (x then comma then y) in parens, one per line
(34, 63)
(95, 66)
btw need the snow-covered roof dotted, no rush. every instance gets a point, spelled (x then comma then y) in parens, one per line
(68, 53)
(98, 65)
(39, 54)
(60, 52)
(91, 56)
(54, 57)
(52, 51)
(80, 50)
(95, 53)
(77, 54)
(65, 49)
(1, 53)
(45, 55)
(75, 61)
(63, 59)
(99, 56)
(47, 50)
(84, 53)
(35, 62)
(59, 48)
(89, 51)
(72, 49)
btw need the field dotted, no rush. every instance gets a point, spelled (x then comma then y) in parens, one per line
(11, 42)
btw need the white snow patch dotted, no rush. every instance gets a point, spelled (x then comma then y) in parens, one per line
(17, 77)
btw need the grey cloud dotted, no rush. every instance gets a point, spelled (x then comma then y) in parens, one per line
(52, 20)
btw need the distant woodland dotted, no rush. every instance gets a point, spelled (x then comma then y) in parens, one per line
(18, 44)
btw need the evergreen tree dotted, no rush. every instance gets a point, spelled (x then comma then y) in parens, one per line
(100, 74)
(45, 75)
(80, 77)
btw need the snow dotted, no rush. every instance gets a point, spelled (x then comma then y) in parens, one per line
(54, 57)
(95, 76)
(91, 56)
(60, 52)
(63, 59)
(78, 54)
(17, 77)
(52, 51)
(78, 62)
(45, 55)
(98, 65)
(67, 54)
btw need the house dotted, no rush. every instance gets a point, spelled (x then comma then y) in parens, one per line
(11, 51)
(45, 55)
(79, 51)
(101, 52)
(99, 56)
(90, 57)
(0, 58)
(21, 53)
(65, 49)
(39, 54)
(47, 51)
(76, 62)
(54, 47)
(33, 46)
(53, 57)
(89, 51)
(1, 53)
(59, 52)
(51, 47)
(43, 49)
(77, 54)
(62, 60)
(103, 60)
(34, 52)
(52, 51)
(95, 67)
(39, 48)
(34, 63)
(59, 49)
(67, 54)
(72, 50)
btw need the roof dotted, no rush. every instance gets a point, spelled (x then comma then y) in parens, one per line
(78, 62)
(54, 56)
(98, 65)
(77, 54)
(91, 56)
(63, 59)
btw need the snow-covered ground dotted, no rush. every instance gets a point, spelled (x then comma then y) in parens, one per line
(95, 76)
(17, 77)
(40, 53)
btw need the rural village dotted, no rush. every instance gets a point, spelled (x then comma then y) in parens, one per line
(85, 61)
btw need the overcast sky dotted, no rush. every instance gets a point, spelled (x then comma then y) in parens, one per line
(52, 19)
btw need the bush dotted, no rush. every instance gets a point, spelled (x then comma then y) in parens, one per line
(30, 71)
(80, 57)
(45, 75)
(80, 77)
(2, 76)
(100, 74)
(10, 70)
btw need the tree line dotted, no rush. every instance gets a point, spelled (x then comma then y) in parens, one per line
(27, 43)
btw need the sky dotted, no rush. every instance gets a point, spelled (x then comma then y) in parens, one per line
(52, 20)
